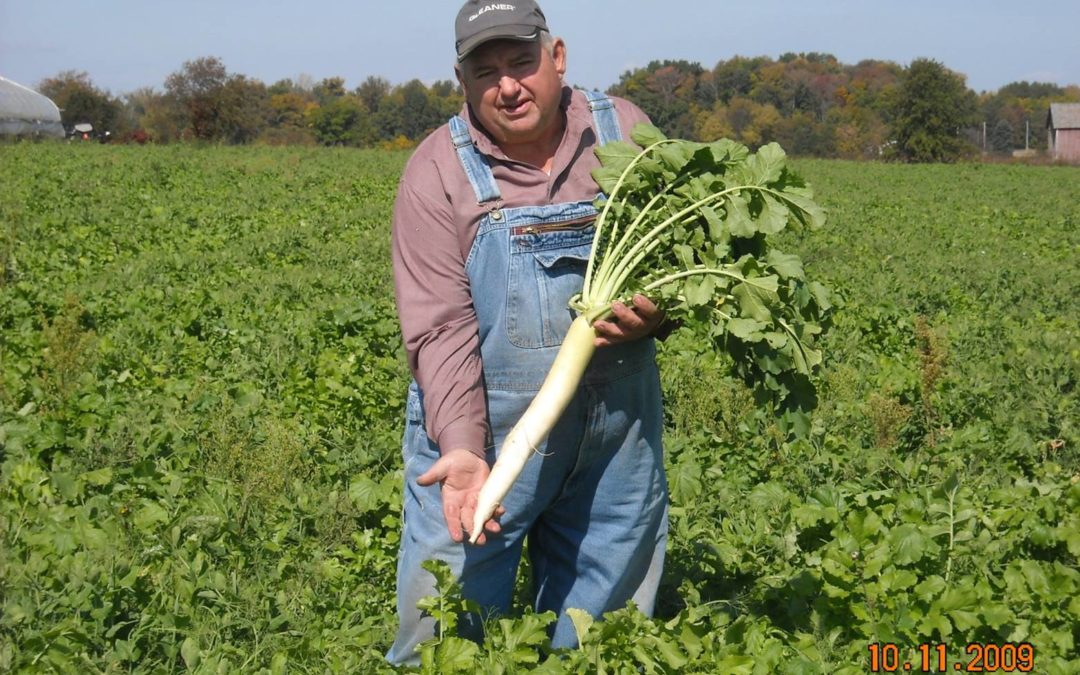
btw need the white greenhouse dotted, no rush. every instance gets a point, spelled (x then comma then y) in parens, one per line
(24, 112)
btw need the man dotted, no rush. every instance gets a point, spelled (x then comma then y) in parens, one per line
(491, 233)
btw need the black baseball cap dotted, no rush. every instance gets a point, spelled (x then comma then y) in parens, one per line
(479, 21)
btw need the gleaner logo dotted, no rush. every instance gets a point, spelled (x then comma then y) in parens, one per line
(488, 8)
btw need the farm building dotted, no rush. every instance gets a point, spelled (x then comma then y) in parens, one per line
(24, 112)
(1063, 131)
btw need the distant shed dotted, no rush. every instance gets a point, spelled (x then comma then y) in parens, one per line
(24, 112)
(1063, 131)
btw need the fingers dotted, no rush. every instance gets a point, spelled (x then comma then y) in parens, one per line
(452, 513)
(647, 308)
(467, 513)
(459, 519)
(628, 323)
(436, 473)
(492, 526)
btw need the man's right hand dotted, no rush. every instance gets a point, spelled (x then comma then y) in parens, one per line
(461, 473)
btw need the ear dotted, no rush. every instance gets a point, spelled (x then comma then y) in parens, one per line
(558, 55)
(460, 78)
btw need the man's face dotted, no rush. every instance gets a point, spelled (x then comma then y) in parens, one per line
(515, 88)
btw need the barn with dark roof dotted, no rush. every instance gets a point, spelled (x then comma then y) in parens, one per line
(1063, 131)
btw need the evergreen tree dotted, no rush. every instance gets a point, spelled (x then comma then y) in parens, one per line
(1001, 137)
(932, 106)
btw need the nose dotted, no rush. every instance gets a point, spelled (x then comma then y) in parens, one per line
(509, 87)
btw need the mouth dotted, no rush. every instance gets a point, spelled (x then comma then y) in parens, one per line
(515, 109)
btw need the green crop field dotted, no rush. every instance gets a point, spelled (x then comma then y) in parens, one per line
(201, 397)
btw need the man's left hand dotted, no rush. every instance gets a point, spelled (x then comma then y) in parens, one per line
(628, 323)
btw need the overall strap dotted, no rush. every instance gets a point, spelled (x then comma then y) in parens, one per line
(605, 120)
(476, 167)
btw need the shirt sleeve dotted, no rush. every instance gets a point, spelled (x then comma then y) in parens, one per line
(629, 115)
(438, 322)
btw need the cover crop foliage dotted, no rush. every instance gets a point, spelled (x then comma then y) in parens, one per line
(160, 337)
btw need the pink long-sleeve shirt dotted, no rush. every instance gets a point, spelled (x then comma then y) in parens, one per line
(435, 221)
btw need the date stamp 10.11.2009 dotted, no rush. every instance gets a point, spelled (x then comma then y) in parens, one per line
(1008, 657)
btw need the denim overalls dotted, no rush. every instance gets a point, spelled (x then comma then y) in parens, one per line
(594, 505)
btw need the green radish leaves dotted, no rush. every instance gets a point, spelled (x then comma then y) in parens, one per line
(689, 224)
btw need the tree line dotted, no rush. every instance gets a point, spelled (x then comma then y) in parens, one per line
(810, 103)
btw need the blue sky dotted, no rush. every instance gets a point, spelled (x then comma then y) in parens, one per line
(124, 44)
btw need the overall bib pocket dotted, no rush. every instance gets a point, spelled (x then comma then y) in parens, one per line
(546, 270)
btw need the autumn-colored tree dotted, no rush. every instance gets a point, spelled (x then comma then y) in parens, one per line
(287, 109)
(743, 120)
(664, 90)
(858, 132)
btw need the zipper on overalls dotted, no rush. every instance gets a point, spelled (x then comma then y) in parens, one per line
(576, 224)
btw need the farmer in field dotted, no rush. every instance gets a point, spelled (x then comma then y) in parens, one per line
(491, 233)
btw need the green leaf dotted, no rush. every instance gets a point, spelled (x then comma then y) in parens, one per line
(746, 329)
(522, 638)
(997, 615)
(735, 665)
(1035, 577)
(455, 655)
(806, 211)
(147, 517)
(582, 621)
(685, 254)
(670, 651)
(717, 231)
(189, 651)
(767, 164)
(685, 480)
(646, 134)
(908, 544)
(673, 157)
(699, 290)
(896, 579)
(739, 222)
(99, 477)
(936, 621)
(754, 297)
(617, 154)
(606, 178)
(787, 266)
(774, 215)
(364, 493)
(614, 157)
(66, 485)
(728, 152)
(930, 588)
(279, 664)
